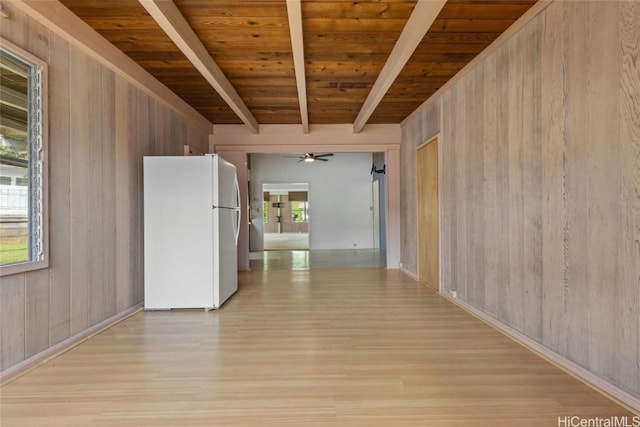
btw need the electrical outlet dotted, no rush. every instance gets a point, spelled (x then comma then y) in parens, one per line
(453, 294)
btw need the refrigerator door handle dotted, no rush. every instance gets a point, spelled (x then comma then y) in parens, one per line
(238, 214)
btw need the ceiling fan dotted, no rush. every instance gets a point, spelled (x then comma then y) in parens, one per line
(310, 157)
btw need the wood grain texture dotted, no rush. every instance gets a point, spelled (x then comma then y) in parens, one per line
(316, 361)
(428, 214)
(123, 212)
(80, 156)
(603, 187)
(346, 44)
(491, 225)
(59, 191)
(532, 180)
(562, 186)
(554, 212)
(95, 193)
(422, 131)
(575, 161)
(629, 198)
(12, 311)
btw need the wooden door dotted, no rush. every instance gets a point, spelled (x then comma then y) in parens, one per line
(428, 207)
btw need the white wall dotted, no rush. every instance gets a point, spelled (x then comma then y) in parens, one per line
(339, 197)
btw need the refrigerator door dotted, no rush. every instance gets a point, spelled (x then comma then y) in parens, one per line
(224, 183)
(177, 223)
(226, 222)
(226, 259)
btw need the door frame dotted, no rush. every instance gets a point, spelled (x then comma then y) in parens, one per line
(434, 139)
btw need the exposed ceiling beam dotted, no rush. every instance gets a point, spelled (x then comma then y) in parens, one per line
(61, 21)
(167, 15)
(421, 19)
(294, 11)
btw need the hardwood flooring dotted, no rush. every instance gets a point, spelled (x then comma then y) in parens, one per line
(286, 241)
(334, 347)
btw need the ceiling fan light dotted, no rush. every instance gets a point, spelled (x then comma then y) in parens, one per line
(309, 159)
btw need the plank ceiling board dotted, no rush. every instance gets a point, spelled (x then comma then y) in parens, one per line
(346, 44)
(251, 43)
(127, 25)
(462, 30)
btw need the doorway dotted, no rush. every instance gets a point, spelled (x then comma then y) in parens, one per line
(376, 214)
(286, 216)
(428, 214)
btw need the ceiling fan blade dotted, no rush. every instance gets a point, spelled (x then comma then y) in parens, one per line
(293, 157)
(322, 160)
(323, 155)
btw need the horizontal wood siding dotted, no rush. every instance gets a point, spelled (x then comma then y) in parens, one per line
(100, 126)
(541, 182)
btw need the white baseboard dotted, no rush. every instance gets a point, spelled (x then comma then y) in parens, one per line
(612, 391)
(26, 365)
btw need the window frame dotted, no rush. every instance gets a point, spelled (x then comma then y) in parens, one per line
(304, 209)
(43, 213)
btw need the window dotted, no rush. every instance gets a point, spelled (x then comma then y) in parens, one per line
(299, 211)
(23, 192)
(265, 212)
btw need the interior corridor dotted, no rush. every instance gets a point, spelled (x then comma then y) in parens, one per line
(326, 347)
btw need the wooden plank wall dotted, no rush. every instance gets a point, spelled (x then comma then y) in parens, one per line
(540, 147)
(100, 127)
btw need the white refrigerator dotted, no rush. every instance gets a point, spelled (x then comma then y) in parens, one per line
(191, 226)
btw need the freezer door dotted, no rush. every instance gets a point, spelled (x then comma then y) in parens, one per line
(225, 184)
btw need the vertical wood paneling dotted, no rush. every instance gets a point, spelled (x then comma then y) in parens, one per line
(475, 130)
(576, 141)
(145, 148)
(408, 203)
(133, 155)
(80, 156)
(124, 276)
(629, 199)
(504, 311)
(604, 151)
(95, 211)
(15, 29)
(12, 339)
(515, 114)
(554, 226)
(447, 174)
(108, 231)
(36, 321)
(491, 225)
(532, 181)
(99, 128)
(462, 200)
(37, 39)
(553, 181)
(59, 190)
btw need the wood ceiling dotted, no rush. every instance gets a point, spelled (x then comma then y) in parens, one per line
(346, 45)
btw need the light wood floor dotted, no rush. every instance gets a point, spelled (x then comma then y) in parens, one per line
(335, 347)
(286, 241)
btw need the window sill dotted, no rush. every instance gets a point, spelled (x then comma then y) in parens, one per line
(23, 267)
